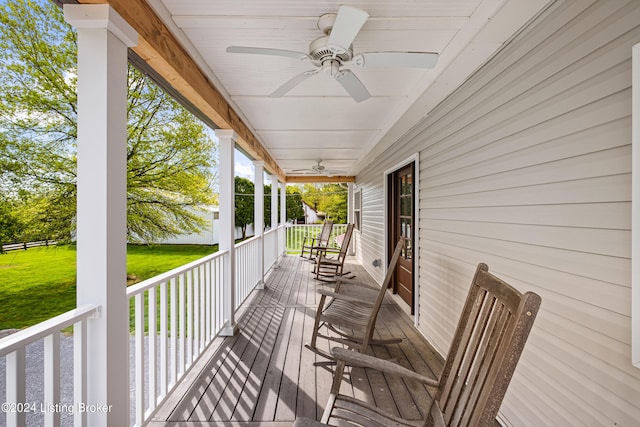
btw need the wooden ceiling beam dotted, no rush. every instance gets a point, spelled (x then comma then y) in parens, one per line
(162, 51)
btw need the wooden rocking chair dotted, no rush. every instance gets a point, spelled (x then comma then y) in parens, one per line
(489, 339)
(312, 244)
(327, 266)
(352, 310)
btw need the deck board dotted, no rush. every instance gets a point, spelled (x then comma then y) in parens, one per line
(264, 376)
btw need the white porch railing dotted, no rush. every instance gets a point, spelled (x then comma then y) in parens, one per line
(297, 232)
(270, 253)
(247, 269)
(182, 306)
(174, 317)
(16, 407)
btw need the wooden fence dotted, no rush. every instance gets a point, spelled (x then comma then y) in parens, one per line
(27, 245)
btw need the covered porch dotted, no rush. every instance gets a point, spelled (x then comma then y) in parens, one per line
(265, 376)
(520, 142)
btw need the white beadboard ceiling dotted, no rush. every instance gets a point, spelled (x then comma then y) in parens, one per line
(318, 119)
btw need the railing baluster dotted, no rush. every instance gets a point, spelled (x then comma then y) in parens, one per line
(190, 316)
(173, 332)
(152, 334)
(202, 300)
(207, 287)
(183, 327)
(164, 312)
(139, 358)
(219, 281)
(52, 378)
(196, 312)
(16, 386)
(79, 371)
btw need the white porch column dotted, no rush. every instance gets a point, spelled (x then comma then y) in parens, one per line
(283, 216)
(351, 215)
(258, 212)
(227, 140)
(283, 203)
(274, 216)
(103, 38)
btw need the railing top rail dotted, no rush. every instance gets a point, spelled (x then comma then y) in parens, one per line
(168, 275)
(312, 225)
(247, 242)
(32, 334)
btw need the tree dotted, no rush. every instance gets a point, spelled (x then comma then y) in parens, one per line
(329, 199)
(267, 205)
(311, 195)
(170, 155)
(294, 203)
(333, 202)
(244, 196)
(10, 225)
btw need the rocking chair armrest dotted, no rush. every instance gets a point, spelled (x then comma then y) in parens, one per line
(354, 358)
(343, 297)
(325, 249)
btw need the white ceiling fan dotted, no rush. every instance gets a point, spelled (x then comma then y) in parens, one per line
(334, 49)
(317, 169)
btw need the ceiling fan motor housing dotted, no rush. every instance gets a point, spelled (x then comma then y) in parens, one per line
(319, 51)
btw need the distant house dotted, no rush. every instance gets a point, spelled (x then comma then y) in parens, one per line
(208, 236)
(311, 216)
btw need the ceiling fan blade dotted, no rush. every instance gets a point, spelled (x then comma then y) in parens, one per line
(352, 84)
(295, 81)
(267, 51)
(348, 23)
(396, 59)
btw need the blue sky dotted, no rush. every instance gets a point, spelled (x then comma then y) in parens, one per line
(243, 166)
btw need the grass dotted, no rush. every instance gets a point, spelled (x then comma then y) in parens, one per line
(39, 283)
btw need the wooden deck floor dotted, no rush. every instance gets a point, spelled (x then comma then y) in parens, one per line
(263, 376)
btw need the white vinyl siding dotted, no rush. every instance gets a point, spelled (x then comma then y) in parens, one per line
(527, 167)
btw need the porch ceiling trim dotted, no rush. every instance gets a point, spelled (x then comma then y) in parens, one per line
(302, 179)
(161, 50)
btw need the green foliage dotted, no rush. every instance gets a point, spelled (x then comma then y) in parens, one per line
(294, 203)
(329, 200)
(333, 202)
(43, 216)
(267, 205)
(244, 199)
(170, 155)
(39, 283)
(9, 223)
(170, 158)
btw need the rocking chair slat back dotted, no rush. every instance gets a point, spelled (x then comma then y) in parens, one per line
(487, 345)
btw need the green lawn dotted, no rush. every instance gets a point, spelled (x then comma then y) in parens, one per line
(39, 283)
